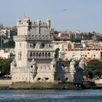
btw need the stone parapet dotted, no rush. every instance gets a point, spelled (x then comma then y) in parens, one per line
(39, 37)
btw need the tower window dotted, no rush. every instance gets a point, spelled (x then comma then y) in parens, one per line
(42, 45)
(20, 44)
(39, 79)
(34, 45)
(34, 54)
(46, 54)
(19, 55)
(49, 54)
(58, 79)
(66, 79)
(30, 54)
(43, 54)
(46, 78)
(39, 54)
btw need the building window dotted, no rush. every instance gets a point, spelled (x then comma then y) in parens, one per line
(58, 79)
(31, 45)
(41, 67)
(43, 54)
(50, 45)
(49, 54)
(30, 54)
(26, 78)
(42, 45)
(39, 79)
(46, 78)
(46, 54)
(34, 54)
(34, 45)
(49, 67)
(66, 79)
(20, 44)
(20, 55)
(85, 55)
(39, 54)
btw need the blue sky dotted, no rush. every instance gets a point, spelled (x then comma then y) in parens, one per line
(83, 15)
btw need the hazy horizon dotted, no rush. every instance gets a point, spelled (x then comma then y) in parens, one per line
(70, 15)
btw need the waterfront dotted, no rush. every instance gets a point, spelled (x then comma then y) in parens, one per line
(51, 95)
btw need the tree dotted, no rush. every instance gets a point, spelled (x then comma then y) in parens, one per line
(9, 44)
(5, 66)
(94, 68)
(99, 39)
(75, 40)
(57, 53)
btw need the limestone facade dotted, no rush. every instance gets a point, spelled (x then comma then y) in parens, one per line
(34, 52)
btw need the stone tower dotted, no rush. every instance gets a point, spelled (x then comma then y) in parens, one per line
(34, 52)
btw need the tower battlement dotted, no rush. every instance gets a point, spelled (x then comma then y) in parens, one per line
(25, 26)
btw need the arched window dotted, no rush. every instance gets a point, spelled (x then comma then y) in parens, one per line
(39, 79)
(39, 54)
(46, 54)
(46, 78)
(42, 54)
(34, 45)
(49, 54)
(42, 45)
(33, 53)
(66, 79)
(20, 55)
(30, 54)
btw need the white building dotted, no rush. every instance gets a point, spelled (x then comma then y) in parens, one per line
(86, 54)
(68, 51)
(4, 54)
(5, 33)
(34, 52)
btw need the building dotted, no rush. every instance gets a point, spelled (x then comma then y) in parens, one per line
(71, 50)
(34, 52)
(4, 54)
(84, 54)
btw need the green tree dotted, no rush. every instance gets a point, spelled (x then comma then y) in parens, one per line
(57, 53)
(9, 44)
(99, 39)
(5, 66)
(75, 40)
(94, 68)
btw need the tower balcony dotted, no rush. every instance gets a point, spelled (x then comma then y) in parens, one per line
(40, 55)
(33, 37)
(39, 37)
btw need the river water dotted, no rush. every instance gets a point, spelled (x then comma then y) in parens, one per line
(50, 95)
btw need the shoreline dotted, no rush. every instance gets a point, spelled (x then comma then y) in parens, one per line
(46, 86)
(7, 84)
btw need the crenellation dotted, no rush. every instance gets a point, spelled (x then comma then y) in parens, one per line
(33, 46)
